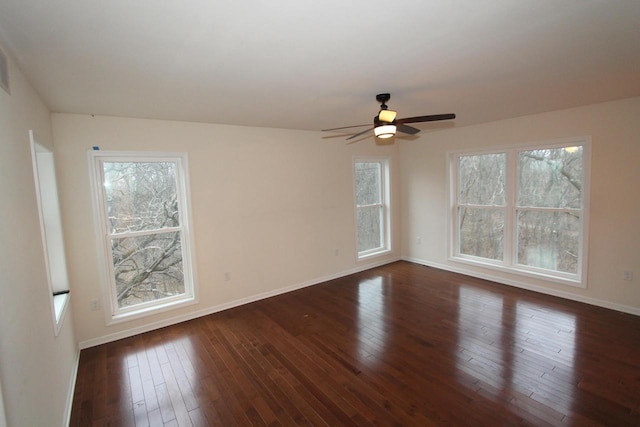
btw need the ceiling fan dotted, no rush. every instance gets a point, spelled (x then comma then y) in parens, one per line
(385, 123)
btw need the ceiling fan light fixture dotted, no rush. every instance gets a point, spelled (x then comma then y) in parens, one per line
(385, 131)
(387, 116)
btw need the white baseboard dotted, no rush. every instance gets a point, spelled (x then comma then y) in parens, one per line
(523, 285)
(71, 390)
(221, 307)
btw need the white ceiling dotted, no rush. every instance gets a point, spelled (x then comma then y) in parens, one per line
(316, 64)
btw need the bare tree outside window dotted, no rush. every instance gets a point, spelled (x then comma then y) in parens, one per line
(142, 208)
(142, 213)
(549, 206)
(540, 218)
(481, 211)
(370, 206)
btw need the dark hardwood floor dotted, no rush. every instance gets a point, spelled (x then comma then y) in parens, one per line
(402, 345)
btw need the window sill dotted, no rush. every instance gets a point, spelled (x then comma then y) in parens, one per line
(60, 304)
(540, 275)
(151, 310)
(370, 255)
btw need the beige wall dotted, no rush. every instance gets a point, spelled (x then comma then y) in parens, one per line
(36, 368)
(614, 231)
(274, 208)
(270, 206)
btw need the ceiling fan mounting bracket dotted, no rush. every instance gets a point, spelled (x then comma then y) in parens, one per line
(382, 98)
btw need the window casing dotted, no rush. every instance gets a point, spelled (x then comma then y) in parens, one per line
(141, 202)
(51, 230)
(523, 209)
(371, 189)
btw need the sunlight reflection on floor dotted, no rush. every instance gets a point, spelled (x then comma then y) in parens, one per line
(524, 356)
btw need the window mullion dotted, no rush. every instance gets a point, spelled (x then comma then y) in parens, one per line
(372, 205)
(472, 206)
(510, 233)
(547, 209)
(144, 232)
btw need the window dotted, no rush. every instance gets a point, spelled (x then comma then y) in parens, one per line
(143, 218)
(51, 229)
(523, 209)
(372, 206)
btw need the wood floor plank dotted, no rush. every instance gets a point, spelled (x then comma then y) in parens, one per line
(232, 401)
(164, 403)
(286, 392)
(256, 367)
(400, 344)
(175, 395)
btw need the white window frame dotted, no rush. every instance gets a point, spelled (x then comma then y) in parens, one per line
(509, 263)
(384, 206)
(51, 230)
(114, 314)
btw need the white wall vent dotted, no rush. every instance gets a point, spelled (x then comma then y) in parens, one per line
(4, 71)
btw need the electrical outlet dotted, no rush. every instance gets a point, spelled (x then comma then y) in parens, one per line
(628, 275)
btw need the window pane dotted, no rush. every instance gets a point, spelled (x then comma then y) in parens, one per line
(369, 228)
(147, 268)
(550, 178)
(482, 179)
(549, 240)
(481, 232)
(368, 181)
(141, 195)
